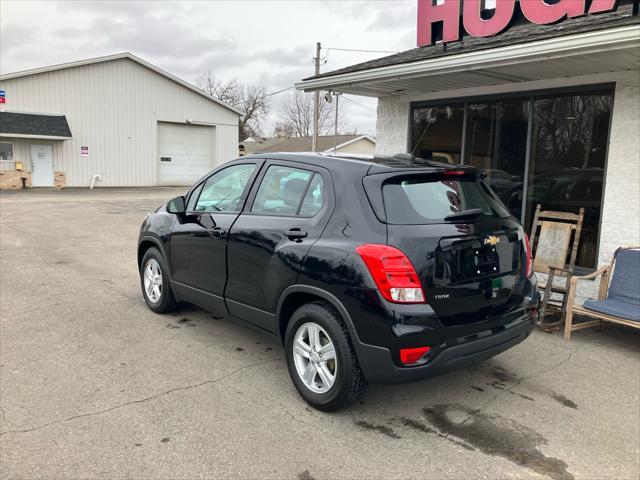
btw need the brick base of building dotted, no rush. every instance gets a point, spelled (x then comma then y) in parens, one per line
(59, 179)
(13, 180)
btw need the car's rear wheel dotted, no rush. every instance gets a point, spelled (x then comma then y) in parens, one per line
(321, 361)
(155, 282)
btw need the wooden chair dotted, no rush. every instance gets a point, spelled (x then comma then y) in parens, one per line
(555, 237)
(618, 296)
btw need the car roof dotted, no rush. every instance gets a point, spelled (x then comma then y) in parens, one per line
(373, 164)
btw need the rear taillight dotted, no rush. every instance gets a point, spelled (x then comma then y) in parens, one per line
(393, 273)
(412, 355)
(527, 265)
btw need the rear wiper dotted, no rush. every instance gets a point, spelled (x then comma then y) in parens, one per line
(465, 214)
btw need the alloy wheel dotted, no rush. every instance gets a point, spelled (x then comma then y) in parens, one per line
(153, 280)
(314, 356)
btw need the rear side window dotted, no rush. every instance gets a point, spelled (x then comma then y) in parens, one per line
(416, 201)
(289, 191)
(314, 198)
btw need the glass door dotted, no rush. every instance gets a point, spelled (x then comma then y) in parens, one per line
(568, 156)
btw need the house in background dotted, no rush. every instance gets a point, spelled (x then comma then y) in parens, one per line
(117, 119)
(352, 144)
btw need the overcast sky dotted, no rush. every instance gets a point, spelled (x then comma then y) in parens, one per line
(268, 42)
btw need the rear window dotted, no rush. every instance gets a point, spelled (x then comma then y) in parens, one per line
(417, 201)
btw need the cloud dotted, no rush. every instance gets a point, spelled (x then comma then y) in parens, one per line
(270, 43)
(14, 37)
(398, 19)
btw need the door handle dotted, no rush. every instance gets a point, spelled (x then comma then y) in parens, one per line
(217, 232)
(295, 234)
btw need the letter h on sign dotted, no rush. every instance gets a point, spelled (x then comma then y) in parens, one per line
(448, 13)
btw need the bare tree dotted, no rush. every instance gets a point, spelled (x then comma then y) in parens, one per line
(284, 129)
(296, 116)
(251, 100)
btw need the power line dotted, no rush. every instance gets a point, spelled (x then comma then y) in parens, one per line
(358, 50)
(279, 91)
(358, 104)
(266, 95)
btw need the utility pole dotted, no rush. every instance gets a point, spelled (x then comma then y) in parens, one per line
(335, 127)
(316, 104)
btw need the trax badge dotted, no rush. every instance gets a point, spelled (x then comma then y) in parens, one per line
(491, 240)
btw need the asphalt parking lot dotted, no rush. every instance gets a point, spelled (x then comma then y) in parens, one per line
(94, 385)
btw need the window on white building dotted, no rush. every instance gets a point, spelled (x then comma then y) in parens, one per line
(6, 151)
(6, 156)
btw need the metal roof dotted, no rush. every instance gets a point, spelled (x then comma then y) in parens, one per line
(17, 124)
(119, 56)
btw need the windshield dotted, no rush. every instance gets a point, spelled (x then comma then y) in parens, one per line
(418, 201)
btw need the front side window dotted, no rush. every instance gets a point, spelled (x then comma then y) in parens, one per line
(191, 206)
(282, 191)
(222, 192)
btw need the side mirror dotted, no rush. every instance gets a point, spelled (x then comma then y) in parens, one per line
(176, 206)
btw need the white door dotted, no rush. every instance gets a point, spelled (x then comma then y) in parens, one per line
(185, 153)
(41, 166)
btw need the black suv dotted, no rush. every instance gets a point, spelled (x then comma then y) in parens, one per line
(381, 270)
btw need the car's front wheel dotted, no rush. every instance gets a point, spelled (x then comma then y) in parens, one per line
(321, 362)
(155, 282)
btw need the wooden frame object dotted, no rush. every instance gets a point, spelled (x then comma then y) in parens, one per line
(606, 273)
(558, 239)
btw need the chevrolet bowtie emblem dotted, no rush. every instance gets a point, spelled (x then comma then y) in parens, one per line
(491, 240)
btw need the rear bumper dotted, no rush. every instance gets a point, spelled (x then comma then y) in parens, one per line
(378, 366)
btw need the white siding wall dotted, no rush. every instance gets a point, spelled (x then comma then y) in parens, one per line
(113, 107)
(621, 211)
(22, 153)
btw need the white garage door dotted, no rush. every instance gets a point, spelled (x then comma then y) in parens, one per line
(186, 152)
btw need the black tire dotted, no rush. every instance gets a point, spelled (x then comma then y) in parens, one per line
(167, 302)
(349, 384)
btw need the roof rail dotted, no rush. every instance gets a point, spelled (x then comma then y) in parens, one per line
(404, 157)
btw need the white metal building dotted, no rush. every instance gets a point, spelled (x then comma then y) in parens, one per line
(118, 117)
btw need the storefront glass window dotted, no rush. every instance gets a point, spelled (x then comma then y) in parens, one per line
(567, 151)
(496, 141)
(568, 154)
(437, 132)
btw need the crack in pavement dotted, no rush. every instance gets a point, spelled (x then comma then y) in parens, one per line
(140, 401)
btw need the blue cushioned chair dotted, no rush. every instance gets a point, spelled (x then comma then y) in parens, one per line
(618, 301)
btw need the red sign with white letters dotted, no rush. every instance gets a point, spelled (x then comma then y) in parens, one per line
(536, 11)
